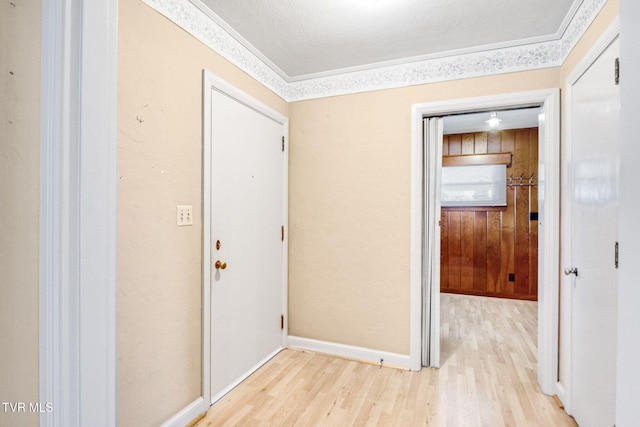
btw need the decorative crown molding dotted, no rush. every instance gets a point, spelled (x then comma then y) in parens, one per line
(200, 22)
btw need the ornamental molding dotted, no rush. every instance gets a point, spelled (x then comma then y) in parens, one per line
(200, 22)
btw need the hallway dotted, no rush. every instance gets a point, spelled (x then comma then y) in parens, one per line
(487, 378)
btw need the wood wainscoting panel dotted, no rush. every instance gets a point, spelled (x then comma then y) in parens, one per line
(466, 245)
(455, 249)
(533, 220)
(480, 251)
(494, 251)
(444, 249)
(521, 196)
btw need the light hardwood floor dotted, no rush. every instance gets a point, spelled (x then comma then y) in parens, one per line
(487, 378)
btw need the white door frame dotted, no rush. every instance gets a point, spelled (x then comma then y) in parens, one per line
(549, 172)
(567, 144)
(78, 213)
(210, 81)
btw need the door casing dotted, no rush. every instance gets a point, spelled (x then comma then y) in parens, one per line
(78, 289)
(549, 171)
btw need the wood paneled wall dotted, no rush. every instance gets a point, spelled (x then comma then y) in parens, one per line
(482, 247)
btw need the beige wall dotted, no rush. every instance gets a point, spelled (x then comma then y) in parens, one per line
(350, 203)
(19, 217)
(159, 163)
(350, 208)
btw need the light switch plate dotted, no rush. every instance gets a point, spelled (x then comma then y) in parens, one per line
(184, 215)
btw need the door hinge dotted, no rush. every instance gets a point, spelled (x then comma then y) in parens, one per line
(282, 234)
(616, 255)
(282, 322)
(283, 144)
(617, 71)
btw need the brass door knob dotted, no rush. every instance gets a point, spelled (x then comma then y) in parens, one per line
(220, 265)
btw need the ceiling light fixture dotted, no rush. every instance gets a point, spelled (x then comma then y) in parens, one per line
(493, 122)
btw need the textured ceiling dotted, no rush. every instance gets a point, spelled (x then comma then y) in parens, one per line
(309, 38)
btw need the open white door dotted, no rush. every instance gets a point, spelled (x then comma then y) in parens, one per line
(591, 271)
(245, 236)
(432, 151)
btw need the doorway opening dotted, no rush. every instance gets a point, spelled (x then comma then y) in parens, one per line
(489, 233)
(425, 250)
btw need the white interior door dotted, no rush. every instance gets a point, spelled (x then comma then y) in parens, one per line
(595, 111)
(246, 247)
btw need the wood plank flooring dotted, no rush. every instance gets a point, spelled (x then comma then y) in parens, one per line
(487, 378)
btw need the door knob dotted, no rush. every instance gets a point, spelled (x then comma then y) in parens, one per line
(570, 271)
(220, 265)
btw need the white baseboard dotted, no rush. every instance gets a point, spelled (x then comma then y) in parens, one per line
(351, 352)
(562, 395)
(200, 406)
(244, 376)
(188, 414)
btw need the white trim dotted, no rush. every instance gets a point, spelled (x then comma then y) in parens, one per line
(560, 392)
(235, 35)
(53, 230)
(415, 263)
(607, 37)
(537, 41)
(495, 50)
(549, 161)
(243, 377)
(568, 19)
(548, 237)
(78, 218)
(243, 97)
(211, 81)
(520, 55)
(420, 58)
(285, 243)
(188, 414)
(351, 352)
(206, 241)
(566, 304)
(191, 18)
